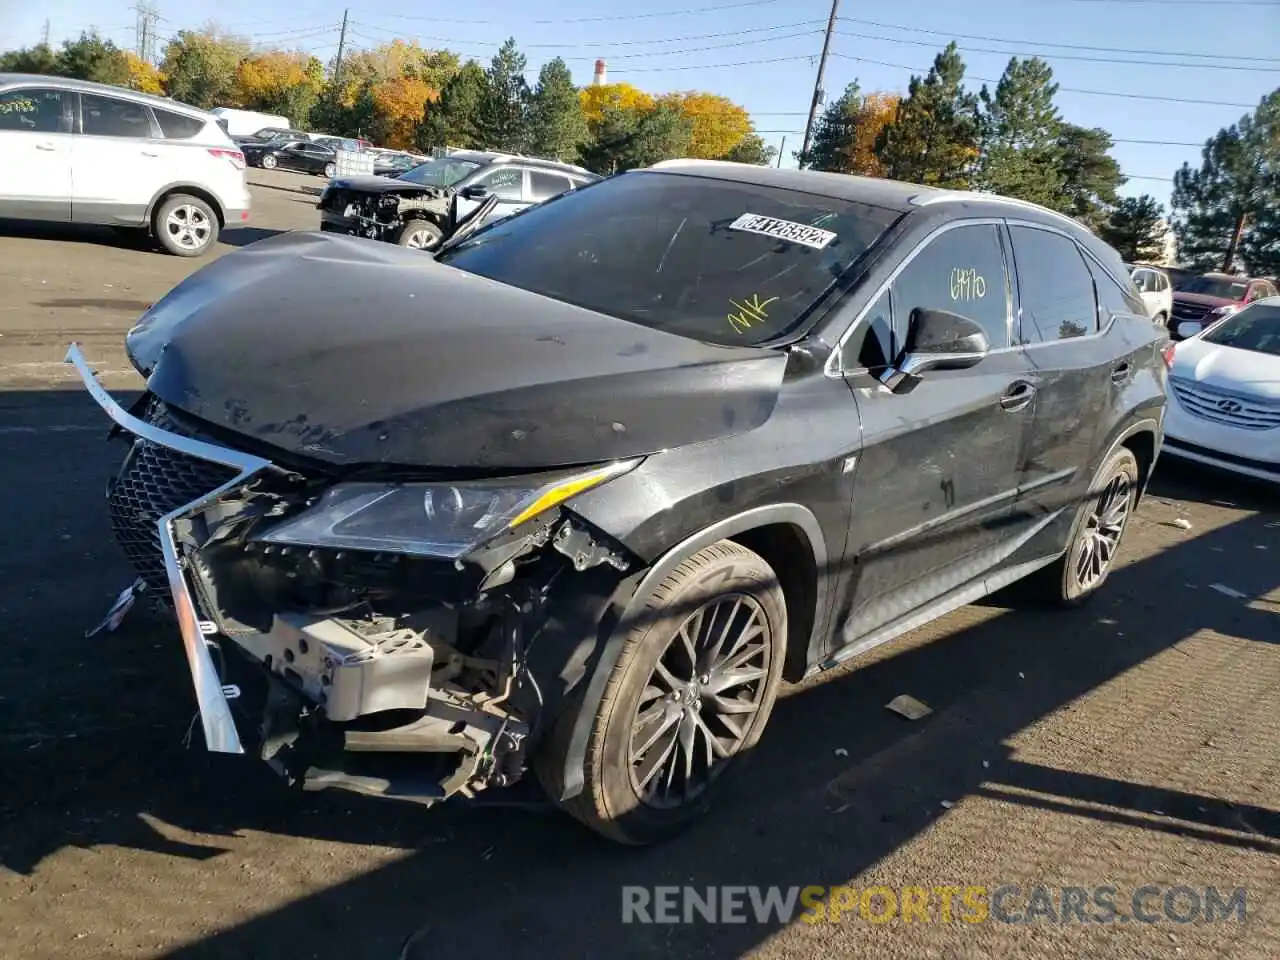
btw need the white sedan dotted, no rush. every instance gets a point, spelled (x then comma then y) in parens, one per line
(1224, 393)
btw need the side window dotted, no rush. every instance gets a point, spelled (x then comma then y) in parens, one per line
(505, 182)
(177, 126)
(961, 271)
(33, 110)
(1145, 281)
(109, 117)
(1112, 298)
(1055, 286)
(544, 186)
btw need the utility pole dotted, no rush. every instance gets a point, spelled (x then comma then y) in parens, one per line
(342, 43)
(818, 94)
(782, 149)
(44, 34)
(145, 30)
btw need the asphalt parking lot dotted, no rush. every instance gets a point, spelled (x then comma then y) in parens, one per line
(1132, 742)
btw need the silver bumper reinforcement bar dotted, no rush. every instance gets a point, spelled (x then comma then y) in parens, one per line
(220, 733)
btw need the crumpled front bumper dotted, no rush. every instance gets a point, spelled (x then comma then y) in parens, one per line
(220, 731)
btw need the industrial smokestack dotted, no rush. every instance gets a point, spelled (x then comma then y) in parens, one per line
(602, 74)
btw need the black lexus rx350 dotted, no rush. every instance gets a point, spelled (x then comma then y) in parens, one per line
(573, 496)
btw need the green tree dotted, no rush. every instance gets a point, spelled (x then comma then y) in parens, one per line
(833, 134)
(92, 58)
(933, 138)
(1020, 127)
(503, 113)
(1136, 229)
(626, 139)
(201, 65)
(37, 59)
(453, 120)
(557, 127)
(752, 149)
(1090, 175)
(1218, 209)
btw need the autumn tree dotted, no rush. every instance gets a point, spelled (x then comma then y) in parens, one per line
(557, 127)
(143, 76)
(201, 67)
(845, 136)
(399, 104)
(1136, 229)
(625, 139)
(1218, 208)
(1090, 175)
(37, 59)
(716, 123)
(752, 149)
(401, 58)
(1020, 127)
(933, 138)
(620, 96)
(453, 119)
(274, 81)
(502, 117)
(92, 58)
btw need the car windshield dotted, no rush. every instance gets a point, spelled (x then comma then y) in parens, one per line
(1223, 287)
(442, 172)
(1256, 328)
(716, 260)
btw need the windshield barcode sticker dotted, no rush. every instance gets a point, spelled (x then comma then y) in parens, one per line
(783, 230)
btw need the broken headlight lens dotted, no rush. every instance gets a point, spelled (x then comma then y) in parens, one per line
(430, 519)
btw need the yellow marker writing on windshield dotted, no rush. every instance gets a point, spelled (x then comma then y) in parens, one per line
(750, 312)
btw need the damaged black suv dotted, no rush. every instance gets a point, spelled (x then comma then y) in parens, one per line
(573, 496)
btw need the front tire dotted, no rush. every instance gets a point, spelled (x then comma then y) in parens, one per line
(420, 235)
(330, 170)
(687, 700)
(268, 162)
(1096, 535)
(186, 226)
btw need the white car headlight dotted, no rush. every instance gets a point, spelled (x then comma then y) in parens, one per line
(430, 519)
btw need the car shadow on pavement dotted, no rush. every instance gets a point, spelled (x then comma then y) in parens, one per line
(243, 236)
(91, 733)
(124, 238)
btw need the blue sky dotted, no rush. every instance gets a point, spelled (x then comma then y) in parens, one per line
(1183, 50)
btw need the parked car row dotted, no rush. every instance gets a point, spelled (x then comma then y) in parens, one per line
(1185, 301)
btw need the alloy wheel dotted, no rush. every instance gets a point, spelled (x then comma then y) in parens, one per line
(188, 226)
(699, 703)
(1100, 536)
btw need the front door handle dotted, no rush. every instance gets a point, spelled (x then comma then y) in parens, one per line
(45, 146)
(1019, 394)
(1120, 373)
(150, 153)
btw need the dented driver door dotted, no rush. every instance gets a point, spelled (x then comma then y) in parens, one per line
(937, 480)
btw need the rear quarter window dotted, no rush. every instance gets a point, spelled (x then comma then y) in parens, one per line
(177, 126)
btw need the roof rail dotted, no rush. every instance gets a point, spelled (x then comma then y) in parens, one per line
(940, 195)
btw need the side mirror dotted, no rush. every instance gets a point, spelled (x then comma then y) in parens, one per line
(936, 340)
(1188, 328)
(477, 191)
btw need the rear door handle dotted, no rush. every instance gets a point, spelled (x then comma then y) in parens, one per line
(1120, 373)
(1019, 394)
(45, 146)
(150, 153)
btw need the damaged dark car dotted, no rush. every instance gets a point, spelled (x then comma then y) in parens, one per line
(566, 502)
(426, 205)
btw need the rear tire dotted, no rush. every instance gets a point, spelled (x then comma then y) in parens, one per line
(1101, 521)
(686, 702)
(185, 226)
(420, 235)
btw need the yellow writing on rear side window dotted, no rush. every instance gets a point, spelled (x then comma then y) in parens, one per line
(967, 284)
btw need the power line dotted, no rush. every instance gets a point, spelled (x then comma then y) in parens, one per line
(597, 44)
(1188, 3)
(622, 16)
(1061, 46)
(1094, 93)
(1183, 65)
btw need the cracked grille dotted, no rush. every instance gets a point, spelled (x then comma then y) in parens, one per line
(152, 482)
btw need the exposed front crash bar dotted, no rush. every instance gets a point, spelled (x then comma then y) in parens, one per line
(215, 713)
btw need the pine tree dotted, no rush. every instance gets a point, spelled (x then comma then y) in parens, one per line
(503, 114)
(453, 120)
(753, 150)
(1090, 175)
(1020, 127)
(1218, 209)
(557, 127)
(625, 139)
(1136, 229)
(933, 138)
(833, 134)
(37, 59)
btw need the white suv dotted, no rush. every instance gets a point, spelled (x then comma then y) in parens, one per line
(81, 152)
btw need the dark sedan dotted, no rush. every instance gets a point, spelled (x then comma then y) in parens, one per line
(303, 155)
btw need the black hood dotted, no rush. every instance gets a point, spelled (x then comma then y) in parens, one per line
(378, 184)
(353, 352)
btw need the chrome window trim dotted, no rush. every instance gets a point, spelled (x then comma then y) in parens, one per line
(215, 713)
(832, 367)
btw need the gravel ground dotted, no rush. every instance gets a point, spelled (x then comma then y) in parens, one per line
(1132, 742)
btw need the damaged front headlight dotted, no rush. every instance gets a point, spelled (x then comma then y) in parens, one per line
(430, 519)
